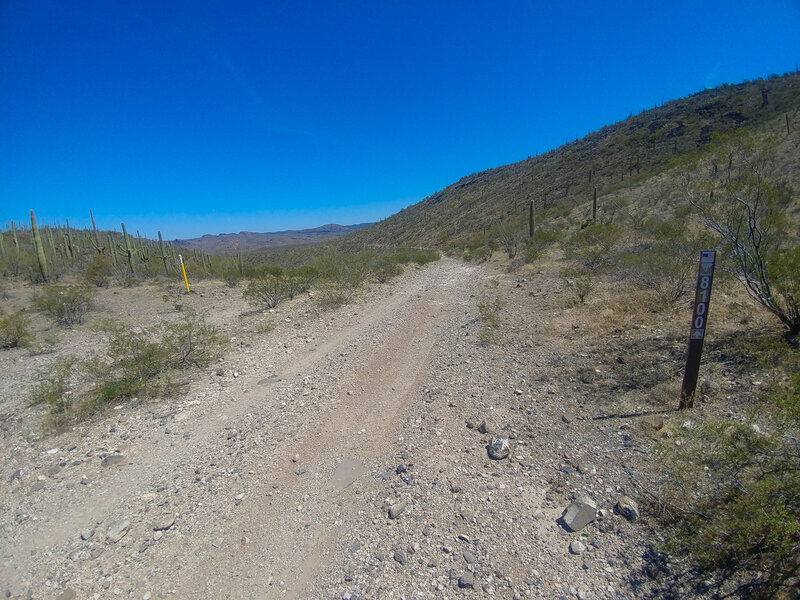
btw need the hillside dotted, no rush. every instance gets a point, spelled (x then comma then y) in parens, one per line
(248, 241)
(616, 159)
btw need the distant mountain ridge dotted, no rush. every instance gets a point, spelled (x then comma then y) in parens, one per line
(249, 241)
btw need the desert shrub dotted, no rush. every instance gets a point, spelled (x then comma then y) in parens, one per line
(14, 330)
(665, 260)
(140, 360)
(192, 342)
(66, 304)
(99, 271)
(343, 269)
(231, 276)
(489, 311)
(298, 281)
(386, 268)
(742, 536)
(333, 296)
(262, 271)
(733, 527)
(136, 356)
(53, 385)
(593, 246)
(478, 254)
(265, 292)
(509, 237)
(411, 255)
(579, 281)
(741, 196)
(536, 245)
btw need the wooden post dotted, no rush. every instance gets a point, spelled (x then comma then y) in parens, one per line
(702, 297)
(531, 220)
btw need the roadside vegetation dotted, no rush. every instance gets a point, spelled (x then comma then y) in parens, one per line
(724, 490)
(137, 363)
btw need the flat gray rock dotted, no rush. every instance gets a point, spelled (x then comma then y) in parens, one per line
(164, 522)
(395, 510)
(118, 530)
(113, 459)
(467, 580)
(580, 513)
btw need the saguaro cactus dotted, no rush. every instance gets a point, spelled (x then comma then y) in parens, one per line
(144, 251)
(127, 250)
(111, 249)
(163, 253)
(594, 206)
(37, 241)
(68, 243)
(531, 220)
(16, 240)
(96, 243)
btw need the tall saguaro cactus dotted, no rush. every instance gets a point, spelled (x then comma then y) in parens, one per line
(594, 206)
(16, 240)
(68, 243)
(37, 241)
(127, 250)
(111, 249)
(98, 246)
(163, 253)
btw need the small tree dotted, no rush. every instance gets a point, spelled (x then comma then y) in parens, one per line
(510, 238)
(740, 197)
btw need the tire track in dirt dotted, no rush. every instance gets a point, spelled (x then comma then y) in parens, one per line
(305, 515)
(378, 356)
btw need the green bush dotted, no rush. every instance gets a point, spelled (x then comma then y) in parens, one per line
(265, 292)
(386, 268)
(298, 281)
(535, 246)
(53, 387)
(192, 342)
(14, 330)
(66, 304)
(580, 281)
(99, 271)
(490, 320)
(593, 246)
(138, 362)
(139, 357)
(734, 527)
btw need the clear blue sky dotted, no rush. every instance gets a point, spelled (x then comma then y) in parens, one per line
(203, 116)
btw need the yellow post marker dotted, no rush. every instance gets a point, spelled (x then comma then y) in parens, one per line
(183, 270)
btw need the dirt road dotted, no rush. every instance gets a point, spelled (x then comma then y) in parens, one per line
(223, 462)
(276, 472)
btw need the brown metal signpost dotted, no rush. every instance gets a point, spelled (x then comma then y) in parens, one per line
(699, 319)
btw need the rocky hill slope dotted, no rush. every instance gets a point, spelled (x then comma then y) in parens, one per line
(616, 159)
